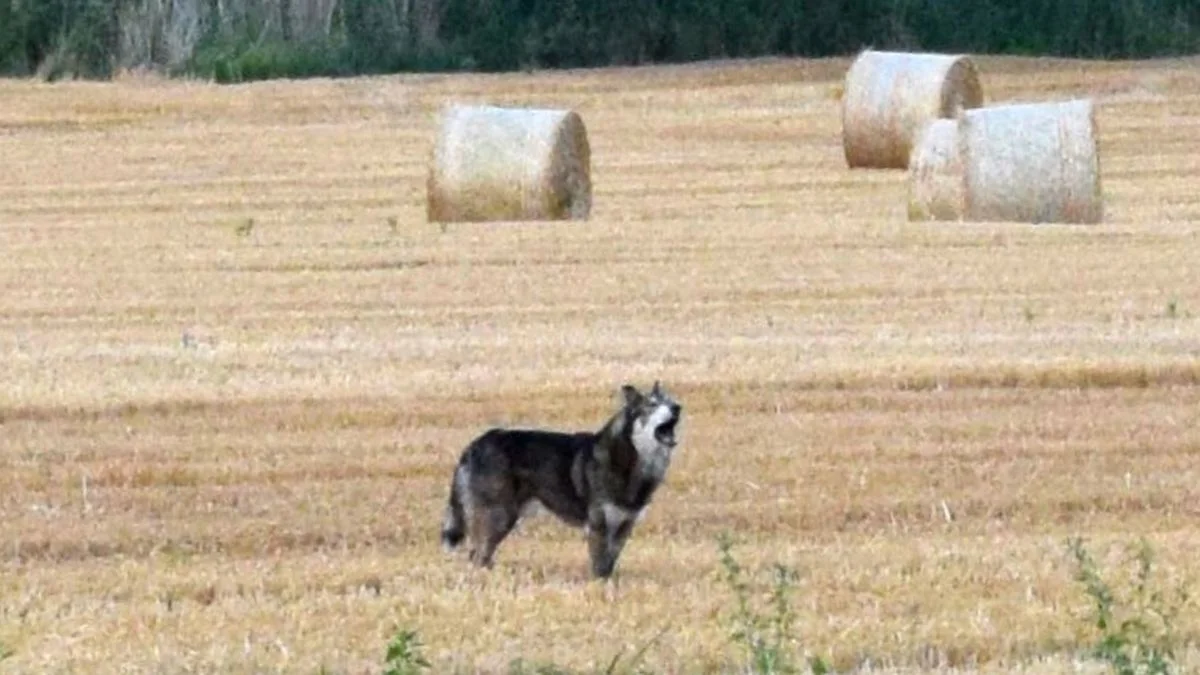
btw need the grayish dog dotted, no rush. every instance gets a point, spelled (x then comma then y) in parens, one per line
(601, 481)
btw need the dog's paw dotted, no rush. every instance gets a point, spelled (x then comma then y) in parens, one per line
(611, 587)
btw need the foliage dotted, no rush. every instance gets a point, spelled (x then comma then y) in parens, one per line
(404, 655)
(769, 637)
(1136, 635)
(241, 40)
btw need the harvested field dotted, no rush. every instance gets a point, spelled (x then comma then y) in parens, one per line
(239, 365)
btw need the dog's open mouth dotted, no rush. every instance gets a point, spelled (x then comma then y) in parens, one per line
(665, 433)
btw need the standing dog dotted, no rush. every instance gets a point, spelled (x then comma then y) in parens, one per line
(601, 481)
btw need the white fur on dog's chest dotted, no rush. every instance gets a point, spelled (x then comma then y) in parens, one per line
(615, 516)
(653, 466)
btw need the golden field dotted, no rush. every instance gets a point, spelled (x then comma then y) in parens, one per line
(239, 365)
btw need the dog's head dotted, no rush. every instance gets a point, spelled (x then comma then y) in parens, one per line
(652, 418)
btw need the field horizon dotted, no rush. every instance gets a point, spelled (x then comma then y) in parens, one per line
(239, 366)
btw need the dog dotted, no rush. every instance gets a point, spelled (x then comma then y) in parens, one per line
(599, 481)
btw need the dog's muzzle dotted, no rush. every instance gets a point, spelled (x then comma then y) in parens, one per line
(665, 433)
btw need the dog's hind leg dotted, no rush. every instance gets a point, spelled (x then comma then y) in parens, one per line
(491, 524)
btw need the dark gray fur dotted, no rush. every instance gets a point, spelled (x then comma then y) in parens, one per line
(601, 481)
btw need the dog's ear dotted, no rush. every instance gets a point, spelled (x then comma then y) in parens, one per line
(657, 390)
(630, 394)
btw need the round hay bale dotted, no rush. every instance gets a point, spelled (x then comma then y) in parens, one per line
(1032, 163)
(889, 97)
(492, 163)
(1025, 162)
(936, 190)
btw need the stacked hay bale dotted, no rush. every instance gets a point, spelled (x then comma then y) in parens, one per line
(1024, 162)
(935, 174)
(492, 163)
(1030, 162)
(889, 97)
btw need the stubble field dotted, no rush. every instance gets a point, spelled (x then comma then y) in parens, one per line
(238, 366)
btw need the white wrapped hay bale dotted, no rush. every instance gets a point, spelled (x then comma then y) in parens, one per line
(1026, 162)
(492, 163)
(936, 188)
(889, 97)
(1033, 162)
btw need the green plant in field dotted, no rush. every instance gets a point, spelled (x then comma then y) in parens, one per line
(404, 655)
(244, 228)
(521, 667)
(633, 661)
(768, 637)
(1137, 633)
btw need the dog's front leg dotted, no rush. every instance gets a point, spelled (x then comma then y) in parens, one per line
(608, 530)
(597, 532)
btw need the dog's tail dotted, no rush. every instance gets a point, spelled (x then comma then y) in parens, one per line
(454, 522)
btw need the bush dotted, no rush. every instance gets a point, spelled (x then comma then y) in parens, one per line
(230, 61)
(58, 37)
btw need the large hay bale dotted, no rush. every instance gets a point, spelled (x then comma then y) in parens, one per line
(492, 163)
(889, 97)
(936, 188)
(1033, 162)
(1023, 162)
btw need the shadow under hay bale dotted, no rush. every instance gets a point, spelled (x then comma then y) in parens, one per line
(492, 163)
(1025, 162)
(889, 97)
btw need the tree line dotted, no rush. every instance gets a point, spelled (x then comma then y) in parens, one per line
(234, 40)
